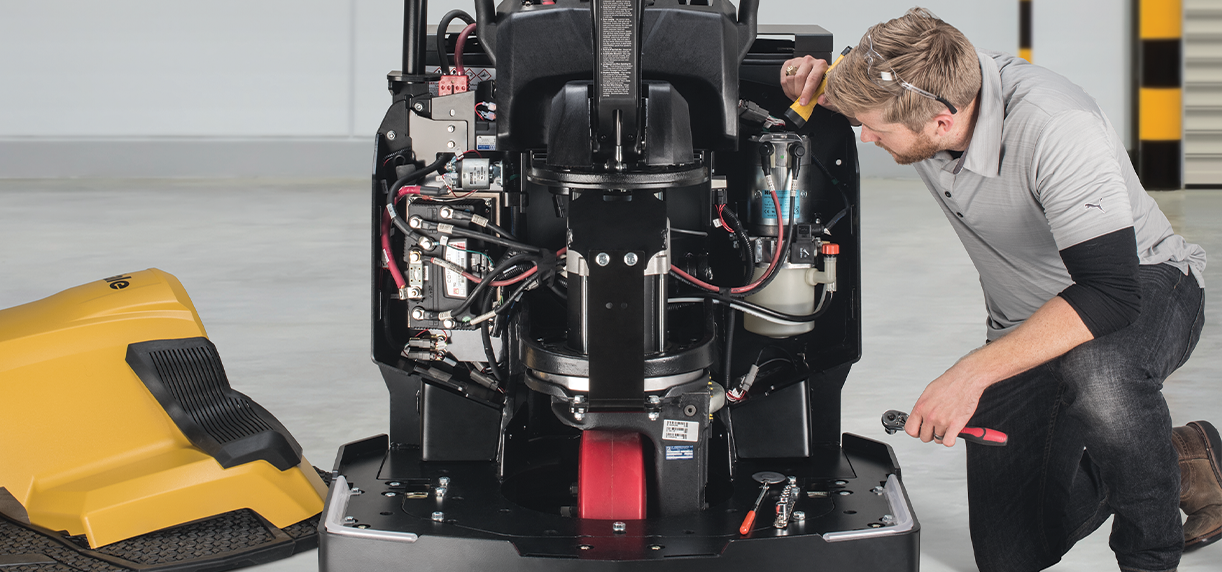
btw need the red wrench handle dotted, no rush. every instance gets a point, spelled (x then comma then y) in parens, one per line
(984, 436)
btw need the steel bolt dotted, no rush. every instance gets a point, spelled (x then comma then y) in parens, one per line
(453, 113)
(418, 106)
(654, 415)
(585, 547)
(439, 516)
(602, 259)
(389, 494)
(357, 491)
(799, 516)
(417, 313)
(390, 135)
(446, 212)
(655, 400)
(441, 492)
(630, 259)
(350, 519)
(877, 490)
(413, 256)
(414, 293)
(450, 144)
(448, 324)
(393, 484)
(443, 481)
(887, 519)
(450, 129)
(619, 527)
(579, 415)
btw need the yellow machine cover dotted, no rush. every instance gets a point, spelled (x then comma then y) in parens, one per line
(87, 449)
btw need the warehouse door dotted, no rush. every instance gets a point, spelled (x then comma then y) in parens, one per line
(1203, 93)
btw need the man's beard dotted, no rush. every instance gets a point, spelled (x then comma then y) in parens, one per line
(922, 149)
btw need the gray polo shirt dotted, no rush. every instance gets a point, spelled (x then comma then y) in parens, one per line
(1044, 171)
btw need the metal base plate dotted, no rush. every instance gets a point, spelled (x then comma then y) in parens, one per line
(382, 514)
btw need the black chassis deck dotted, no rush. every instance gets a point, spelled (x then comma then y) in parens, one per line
(380, 515)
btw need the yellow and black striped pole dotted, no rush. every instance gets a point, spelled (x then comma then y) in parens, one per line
(1160, 103)
(1024, 29)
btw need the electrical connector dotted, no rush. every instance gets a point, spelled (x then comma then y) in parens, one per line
(451, 84)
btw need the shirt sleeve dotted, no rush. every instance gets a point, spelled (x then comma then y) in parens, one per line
(1106, 293)
(1078, 179)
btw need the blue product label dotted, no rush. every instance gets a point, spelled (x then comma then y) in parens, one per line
(769, 210)
(679, 452)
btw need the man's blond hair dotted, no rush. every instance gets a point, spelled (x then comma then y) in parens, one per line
(923, 51)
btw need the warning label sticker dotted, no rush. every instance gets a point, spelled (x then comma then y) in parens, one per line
(679, 452)
(456, 285)
(675, 430)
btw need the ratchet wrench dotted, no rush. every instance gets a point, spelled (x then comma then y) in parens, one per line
(894, 421)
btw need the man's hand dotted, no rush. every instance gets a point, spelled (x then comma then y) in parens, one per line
(949, 402)
(946, 406)
(808, 73)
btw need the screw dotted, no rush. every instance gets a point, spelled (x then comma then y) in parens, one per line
(393, 484)
(414, 293)
(887, 519)
(655, 400)
(349, 519)
(654, 415)
(450, 129)
(390, 135)
(443, 481)
(841, 483)
(450, 144)
(439, 516)
(655, 546)
(441, 492)
(357, 491)
(619, 527)
(689, 410)
(602, 259)
(362, 526)
(877, 490)
(798, 516)
(446, 212)
(585, 547)
(417, 313)
(578, 399)
(388, 494)
(426, 243)
(630, 259)
(448, 324)
(413, 256)
(453, 113)
(579, 415)
(418, 106)
(415, 222)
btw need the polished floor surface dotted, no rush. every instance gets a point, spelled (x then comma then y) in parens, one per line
(279, 273)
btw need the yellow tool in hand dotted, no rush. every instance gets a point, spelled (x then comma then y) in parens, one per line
(797, 114)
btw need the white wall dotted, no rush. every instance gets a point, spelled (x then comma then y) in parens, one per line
(129, 77)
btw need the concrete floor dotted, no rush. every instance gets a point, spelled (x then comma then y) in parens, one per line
(278, 272)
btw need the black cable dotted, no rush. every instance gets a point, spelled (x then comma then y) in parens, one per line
(504, 233)
(784, 253)
(442, 30)
(459, 231)
(488, 279)
(733, 302)
(730, 325)
(840, 186)
(490, 354)
(736, 226)
(416, 175)
(517, 293)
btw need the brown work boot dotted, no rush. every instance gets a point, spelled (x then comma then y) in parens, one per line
(1199, 449)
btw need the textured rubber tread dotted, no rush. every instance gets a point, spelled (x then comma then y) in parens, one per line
(188, 380)
(223, 542)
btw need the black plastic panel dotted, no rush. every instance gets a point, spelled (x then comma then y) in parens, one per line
(188, 380)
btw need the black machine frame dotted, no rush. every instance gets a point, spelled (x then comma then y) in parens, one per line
(603, 171)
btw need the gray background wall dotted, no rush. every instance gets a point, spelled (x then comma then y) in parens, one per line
(153, 88)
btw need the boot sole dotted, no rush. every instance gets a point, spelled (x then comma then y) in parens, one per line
(1203, 540)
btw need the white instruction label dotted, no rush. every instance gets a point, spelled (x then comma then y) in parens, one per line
(675, 430)
(456, 284)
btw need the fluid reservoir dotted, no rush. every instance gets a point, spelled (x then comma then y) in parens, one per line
(790, 291)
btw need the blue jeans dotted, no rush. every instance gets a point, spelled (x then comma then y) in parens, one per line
(1090, 437)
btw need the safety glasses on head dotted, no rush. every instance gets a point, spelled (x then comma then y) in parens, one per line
(884, 76)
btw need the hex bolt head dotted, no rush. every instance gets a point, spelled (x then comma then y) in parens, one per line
(389, 494)
(417, 313)
(418, 106)
(441, 492)
(390, 135)
(887, 519)
(453, 113)
(446, 212)
(450, 129)
(654, 415)
(414, 293)
(413, 256)
(450, 144)
(439, 516)
(393, 484)
(798, 516)
(415, 222)
(619, 527)
(443, 481)
(579, 415)
(602, 259)
(655, 400)
(630, 259)
(448, 324)
(350, 519)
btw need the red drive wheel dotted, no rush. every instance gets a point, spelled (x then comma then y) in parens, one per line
(611, 476)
